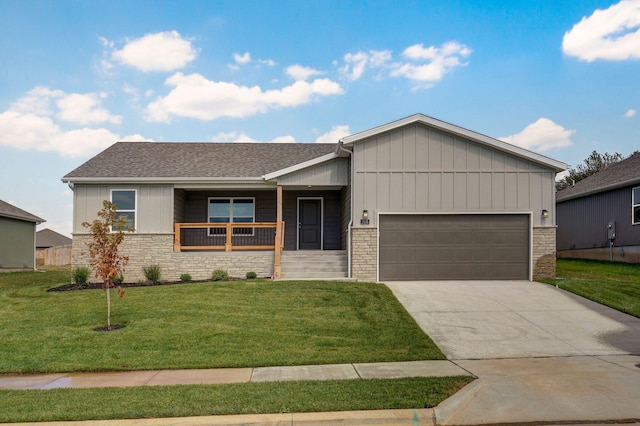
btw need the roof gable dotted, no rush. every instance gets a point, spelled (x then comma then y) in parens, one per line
(185, 160)
(13, 212)
(48, 238)
(623, 173)
(499, 145)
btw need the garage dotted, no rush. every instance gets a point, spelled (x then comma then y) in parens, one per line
(454, 247)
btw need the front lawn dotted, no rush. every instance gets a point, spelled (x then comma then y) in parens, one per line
(613, 284)
(202, 325)
(241, 398)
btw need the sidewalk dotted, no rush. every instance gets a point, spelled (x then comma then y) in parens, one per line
(233, 375)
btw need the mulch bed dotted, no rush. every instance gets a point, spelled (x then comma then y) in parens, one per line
(94, 286)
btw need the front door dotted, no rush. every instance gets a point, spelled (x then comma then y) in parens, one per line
(309, 224)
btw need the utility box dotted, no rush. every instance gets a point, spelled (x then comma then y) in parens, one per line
(611, 230)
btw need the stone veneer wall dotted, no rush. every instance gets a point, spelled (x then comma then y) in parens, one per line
(544, 252)
(148, 249)
(364, 253)
(364, 256)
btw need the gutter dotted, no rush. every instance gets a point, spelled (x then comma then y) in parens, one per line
(350, 224)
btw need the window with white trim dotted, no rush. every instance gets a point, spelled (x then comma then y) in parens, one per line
(635, 212)
(231, 210)
(125, 201)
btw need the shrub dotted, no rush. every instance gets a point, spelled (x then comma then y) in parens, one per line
(119, 280)
(185, 277)
(251, 275)
(220, 275)
(80, 275)
(152, 273)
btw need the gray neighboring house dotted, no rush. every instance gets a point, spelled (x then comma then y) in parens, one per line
(414, 199)
(17, 237)
(587, 209)
(46, 238)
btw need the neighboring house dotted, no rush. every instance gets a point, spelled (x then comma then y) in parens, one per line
(52, 248)
(46, 238)
(599, 217)
(417, 198)
(17, 237)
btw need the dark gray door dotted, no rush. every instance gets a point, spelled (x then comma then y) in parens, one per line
(454, 247)
(310, 226)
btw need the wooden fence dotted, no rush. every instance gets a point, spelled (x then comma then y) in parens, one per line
(54, 256)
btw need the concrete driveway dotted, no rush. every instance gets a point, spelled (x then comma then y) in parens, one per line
(540, 354)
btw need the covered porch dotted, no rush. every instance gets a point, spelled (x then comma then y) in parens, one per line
(282, 218)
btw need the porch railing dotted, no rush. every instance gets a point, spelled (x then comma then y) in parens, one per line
(228, 236)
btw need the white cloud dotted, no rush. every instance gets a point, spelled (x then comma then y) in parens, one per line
(608, 34)
(194, 96)
(541, 136)
(299, 72)
(242, 59)
(165, 51)
(334, 135)
(85, 109)
(232, 137)
(630, 113)
(439, 61)
(357, 63)
(267, 62)
(29, 124)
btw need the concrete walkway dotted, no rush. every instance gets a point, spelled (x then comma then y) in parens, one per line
(234, 375)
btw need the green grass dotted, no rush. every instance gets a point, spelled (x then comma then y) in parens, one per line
(202, 325)
(201, 400)
(616, 285)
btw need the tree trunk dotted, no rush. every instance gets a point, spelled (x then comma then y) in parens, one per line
(108, 290)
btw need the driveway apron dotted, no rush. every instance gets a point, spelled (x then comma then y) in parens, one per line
(540, 354)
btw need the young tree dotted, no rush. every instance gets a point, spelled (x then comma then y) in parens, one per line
(106, 233)
(591, 165)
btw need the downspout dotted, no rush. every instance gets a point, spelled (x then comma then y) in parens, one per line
(350, 224)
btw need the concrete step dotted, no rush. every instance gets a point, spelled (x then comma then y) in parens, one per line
(314, 264)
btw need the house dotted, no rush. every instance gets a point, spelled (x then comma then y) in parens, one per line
(52, 248)
(599, 216)
(46, 238)
(414, 199)
(17, 237)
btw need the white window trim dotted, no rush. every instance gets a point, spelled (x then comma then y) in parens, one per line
(634, 203)
(135, 199)
(231, 199)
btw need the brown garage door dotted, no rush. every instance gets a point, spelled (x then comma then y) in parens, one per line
(454, 247)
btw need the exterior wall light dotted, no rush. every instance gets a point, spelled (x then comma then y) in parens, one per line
(365, 217)
(545, 213)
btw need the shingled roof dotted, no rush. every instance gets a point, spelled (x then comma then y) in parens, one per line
(196, 160)
(46, 238)
(11, 211)
(624, 173)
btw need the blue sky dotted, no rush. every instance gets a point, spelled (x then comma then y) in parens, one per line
(556, 77)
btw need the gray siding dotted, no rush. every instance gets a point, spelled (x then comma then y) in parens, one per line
(154, 209)
(420, 169)
(17, 243)
(331, 173)
(582, 222)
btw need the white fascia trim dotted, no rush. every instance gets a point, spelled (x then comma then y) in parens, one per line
(301, 166)
(558, 166)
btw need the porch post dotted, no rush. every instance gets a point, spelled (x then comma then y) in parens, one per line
(278, 248)
(176, 237)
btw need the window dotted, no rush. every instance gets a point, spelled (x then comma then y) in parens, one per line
(125, 201)
(231, 210)
(635, 218)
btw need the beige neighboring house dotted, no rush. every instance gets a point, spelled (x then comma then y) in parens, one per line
(52, 248)
(17, 237)
(414, 199)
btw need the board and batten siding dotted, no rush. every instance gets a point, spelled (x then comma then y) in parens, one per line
(154, 206)
(421, 169)
(17, 243)
(331, 173)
